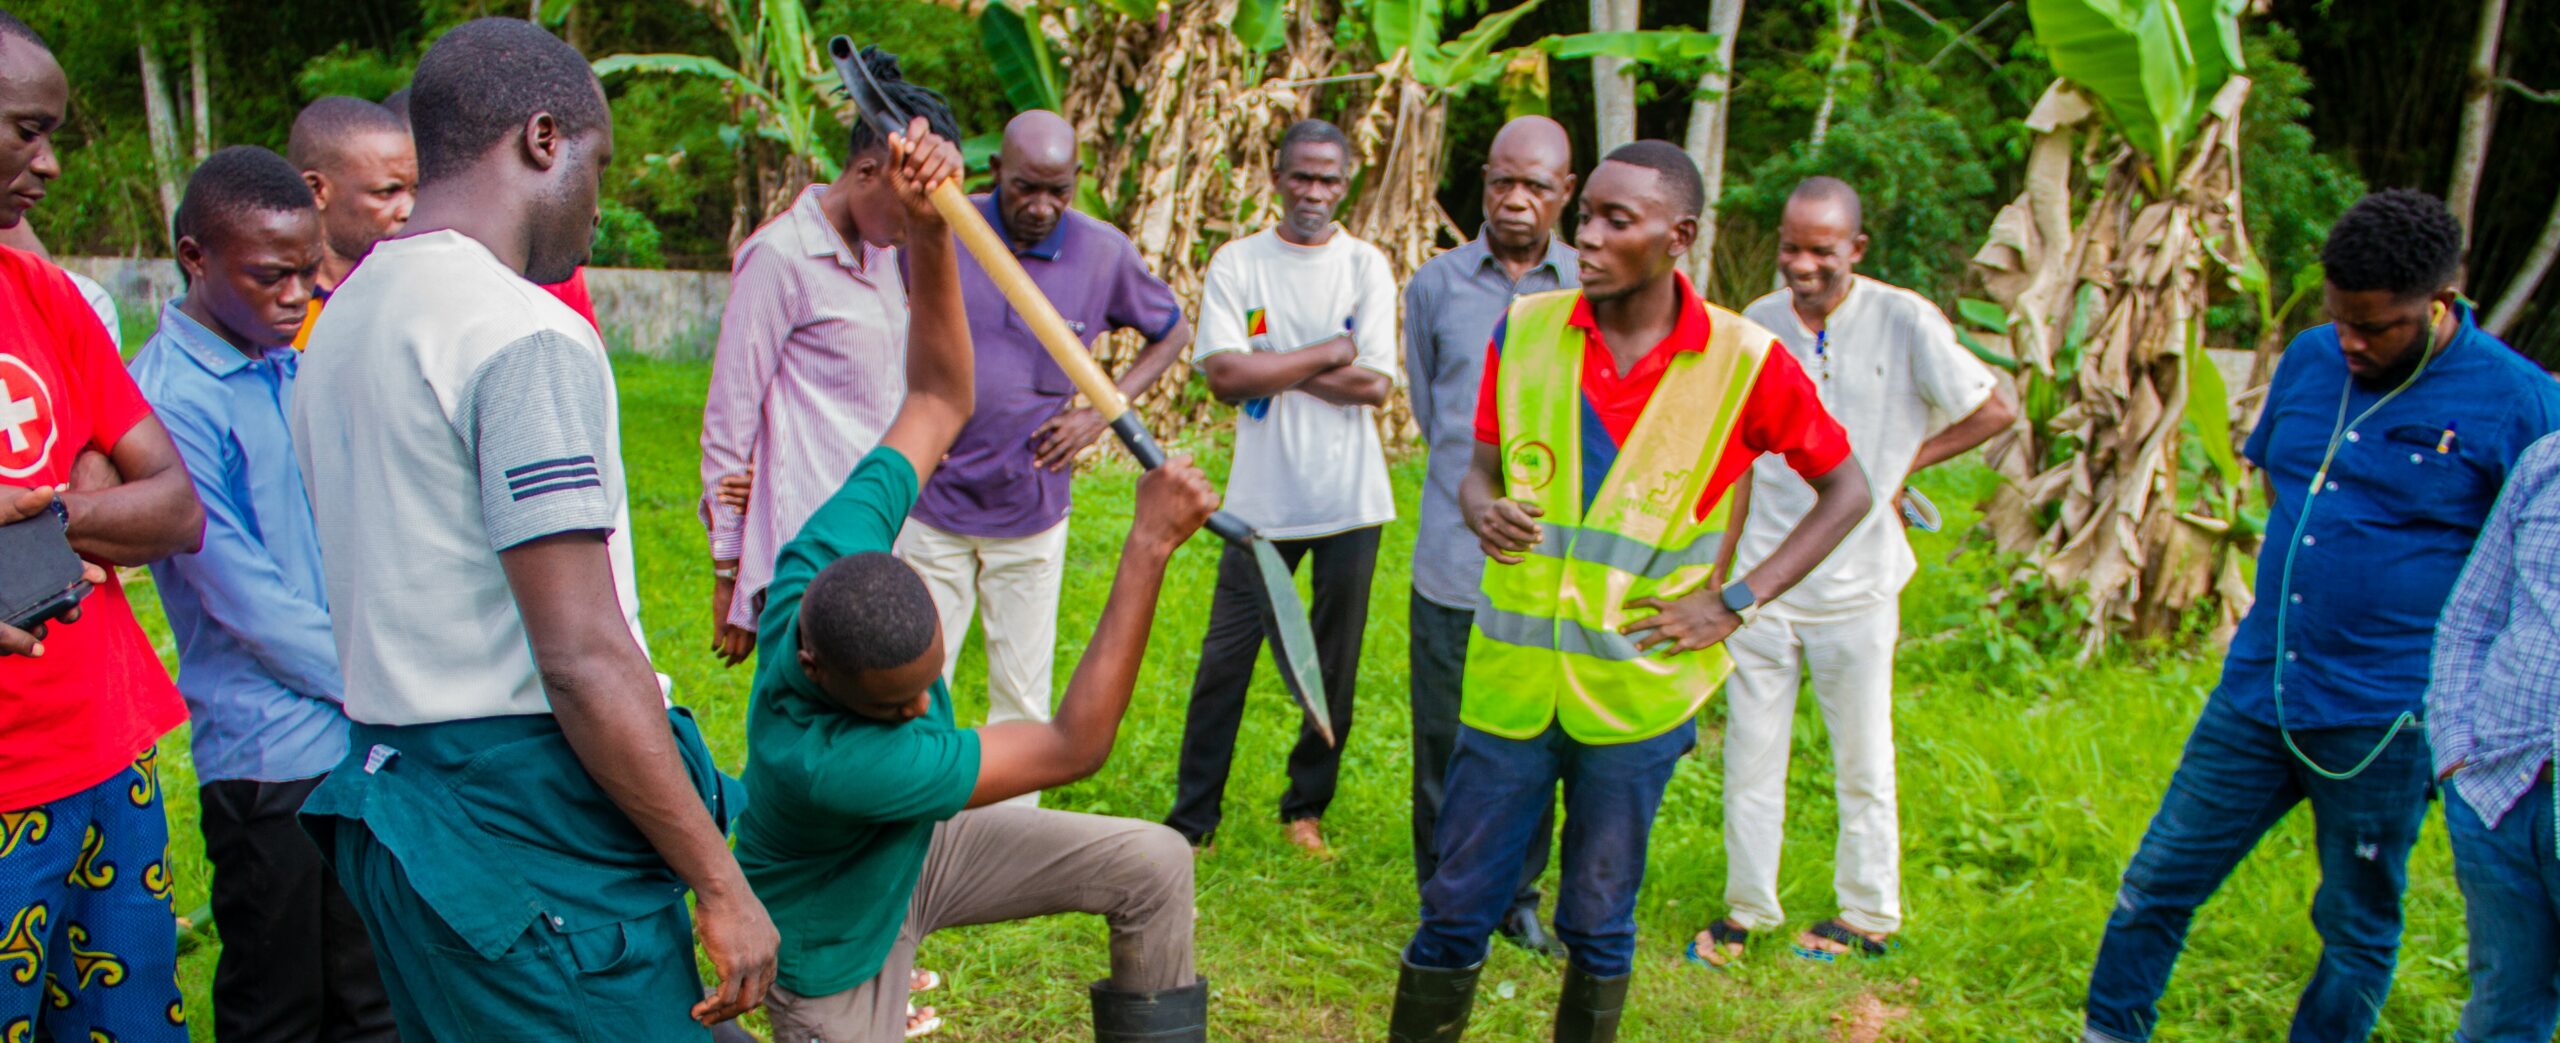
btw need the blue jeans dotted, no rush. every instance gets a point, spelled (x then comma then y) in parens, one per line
(2511, 893)
(1497, 792)
(2235, 781)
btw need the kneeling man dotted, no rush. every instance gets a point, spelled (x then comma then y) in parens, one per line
(868, 824)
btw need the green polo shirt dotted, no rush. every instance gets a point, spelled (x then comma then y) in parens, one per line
(840, 807)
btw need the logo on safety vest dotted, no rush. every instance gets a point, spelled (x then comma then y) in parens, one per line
(1529, 466)
(26, 419)
(1662, 495)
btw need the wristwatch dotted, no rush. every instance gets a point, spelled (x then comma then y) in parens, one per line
(1739, 600)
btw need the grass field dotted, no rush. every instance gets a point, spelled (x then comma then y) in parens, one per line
(2025, 781)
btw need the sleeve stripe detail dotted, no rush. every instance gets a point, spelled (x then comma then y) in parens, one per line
(522, 495)
(551, 475)
(514, 472)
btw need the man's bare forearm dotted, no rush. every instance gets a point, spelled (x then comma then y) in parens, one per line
(1350, 386)
(1482, 484)
(610, 710)
(1097, 695)
(1234, 376)
(151, 516)
(940, 362)
(606, 697)
(1154, 359)
(1993, 416)
(1018, 757)
(1840, 499)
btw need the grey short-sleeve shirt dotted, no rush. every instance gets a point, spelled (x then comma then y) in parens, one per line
(448, 410)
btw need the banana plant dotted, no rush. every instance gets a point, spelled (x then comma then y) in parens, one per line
(2152, 64)
(2126, 415)
(1013, 42)
(1475, 58)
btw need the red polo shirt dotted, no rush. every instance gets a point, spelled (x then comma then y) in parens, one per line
(1783, 414)
(99, 696)
(573, 292)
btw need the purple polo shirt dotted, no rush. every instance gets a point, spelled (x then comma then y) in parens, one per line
(990, 484)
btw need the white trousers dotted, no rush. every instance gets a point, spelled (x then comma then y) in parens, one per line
(1012, 583)
(1852, 664)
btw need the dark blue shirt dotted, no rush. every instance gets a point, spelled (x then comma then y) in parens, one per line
(2389, 527)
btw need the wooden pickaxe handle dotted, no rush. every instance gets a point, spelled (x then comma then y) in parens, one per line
(996, 257)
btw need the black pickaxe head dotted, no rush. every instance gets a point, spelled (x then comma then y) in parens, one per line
(853, 66)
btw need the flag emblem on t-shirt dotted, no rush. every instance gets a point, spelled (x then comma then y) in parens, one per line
(1257, 323)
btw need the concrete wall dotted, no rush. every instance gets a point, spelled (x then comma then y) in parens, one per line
(665, 314)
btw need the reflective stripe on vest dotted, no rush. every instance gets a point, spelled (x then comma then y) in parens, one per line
(1548, 647)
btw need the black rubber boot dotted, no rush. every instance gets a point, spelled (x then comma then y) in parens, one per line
(1432, 1004)
(1588, 1011)
(1173, 1015)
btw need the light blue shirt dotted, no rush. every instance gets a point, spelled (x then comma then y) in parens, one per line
(249, 611)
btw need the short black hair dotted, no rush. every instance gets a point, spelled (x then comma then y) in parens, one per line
(916, 99)
(397, 103)
(233, 183)
(868, 612)
(2399, 239)
(11, 26)
(325, 126)
(1310, 132)
(1825, 189)
(1681, 185)
(482, 81)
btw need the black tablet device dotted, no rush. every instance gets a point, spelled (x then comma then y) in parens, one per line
(39, 575)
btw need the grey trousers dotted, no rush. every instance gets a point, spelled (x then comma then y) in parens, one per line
(1007, 862)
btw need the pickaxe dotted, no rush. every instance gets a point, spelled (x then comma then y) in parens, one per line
(1294, 640)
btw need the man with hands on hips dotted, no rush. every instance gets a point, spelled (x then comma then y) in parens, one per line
(1599, 636)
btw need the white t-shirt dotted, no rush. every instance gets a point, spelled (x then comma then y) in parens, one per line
(448, 410)
(1892, 373)
(102, 303)
(1304, 467)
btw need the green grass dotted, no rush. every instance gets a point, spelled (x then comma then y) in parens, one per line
(2026, 781)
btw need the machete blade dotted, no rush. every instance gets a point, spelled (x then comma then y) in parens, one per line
(1294, 644)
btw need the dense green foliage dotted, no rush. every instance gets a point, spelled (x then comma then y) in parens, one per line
(1920, 216)
(2025, 779)
(1925, 120)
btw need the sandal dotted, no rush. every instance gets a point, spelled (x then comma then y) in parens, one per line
(1721, 933)
(1835, 930)
(922, 981)
(930, 1025)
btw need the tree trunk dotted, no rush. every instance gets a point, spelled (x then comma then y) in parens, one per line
(1613, 79)
(162, 119)
(1847, 27)
(1709, 115)
(2536, 265)
(2479, 111)
(203, 104)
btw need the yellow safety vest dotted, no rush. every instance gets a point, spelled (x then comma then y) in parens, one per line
(1546, 645)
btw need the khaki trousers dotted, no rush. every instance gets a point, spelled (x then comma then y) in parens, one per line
(1013, 583)
(1007, 862)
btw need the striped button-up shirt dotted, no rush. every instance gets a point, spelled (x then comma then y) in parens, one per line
(810, 367)
(2493, 706)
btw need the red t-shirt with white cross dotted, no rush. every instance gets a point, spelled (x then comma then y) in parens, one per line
(99, 696)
